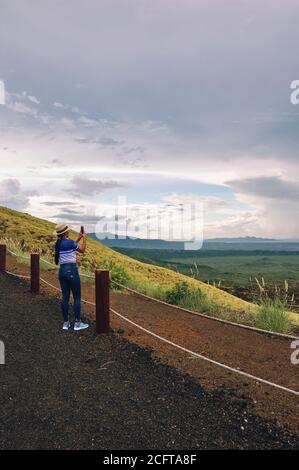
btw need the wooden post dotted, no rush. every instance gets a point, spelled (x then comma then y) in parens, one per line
(2, 258)
(102, 301)
(34, 269)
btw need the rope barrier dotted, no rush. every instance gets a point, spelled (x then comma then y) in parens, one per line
(171, 343)
(227, 322)
(43, 260)
(16, 255)
(59, 290)
(17, 275)
(212, 361)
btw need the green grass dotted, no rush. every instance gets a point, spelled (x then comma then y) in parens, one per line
(236, 269)
(192, 298)
(273, 315)
(148, 288)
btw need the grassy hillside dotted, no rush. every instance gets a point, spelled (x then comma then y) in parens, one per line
(34, 234)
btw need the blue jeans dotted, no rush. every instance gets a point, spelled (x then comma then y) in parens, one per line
(70, 282)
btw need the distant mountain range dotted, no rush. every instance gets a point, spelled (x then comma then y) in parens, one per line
(237, 243)
(240, 240)
(112, 241)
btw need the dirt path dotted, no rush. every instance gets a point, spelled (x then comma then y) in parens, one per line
(264, 356)
(260, 355)
(67, 390)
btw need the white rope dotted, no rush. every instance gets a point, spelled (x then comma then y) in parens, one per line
(17, 275)
(247, 327)
(16, 255)
(212, 361)
(50, 285)
(43, 260)
(219, 364)
(87, 275)
(56, 267)
(221, 320)
(59, 290)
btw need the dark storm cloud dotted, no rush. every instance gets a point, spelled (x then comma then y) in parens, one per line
(183, 62)
(203, 86)
(217, 73)
(13, 195)
(60, 203)
(55, 162)
(104, 141)
(270, 187)
(77, 217)
(88, 187)
(128, 150)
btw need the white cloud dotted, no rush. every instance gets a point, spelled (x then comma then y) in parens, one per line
(66, 107)
(56, 104)
(20, 107)
(2, 93)
(209, 202)
(238, 224)
(12, 195)
(33, 99)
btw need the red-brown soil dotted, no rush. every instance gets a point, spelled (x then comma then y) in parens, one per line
(261, 355)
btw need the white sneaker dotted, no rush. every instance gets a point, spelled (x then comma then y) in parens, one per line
(66, 325)
(79, 325)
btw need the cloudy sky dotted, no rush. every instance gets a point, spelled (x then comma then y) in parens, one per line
(162, 101)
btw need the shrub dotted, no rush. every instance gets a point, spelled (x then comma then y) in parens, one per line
(117, 273)
(191, 298)
(273, 316)
(178, 293)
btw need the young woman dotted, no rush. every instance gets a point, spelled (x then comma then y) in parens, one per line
(66, 256)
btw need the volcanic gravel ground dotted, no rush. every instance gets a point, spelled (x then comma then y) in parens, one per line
(74, 390)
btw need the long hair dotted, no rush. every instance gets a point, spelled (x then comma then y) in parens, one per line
(57, 248)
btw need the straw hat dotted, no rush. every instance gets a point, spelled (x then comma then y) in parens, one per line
(60, 229)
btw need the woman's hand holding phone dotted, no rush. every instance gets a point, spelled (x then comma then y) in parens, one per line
(81, 235)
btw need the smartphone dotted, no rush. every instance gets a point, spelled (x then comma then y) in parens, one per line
(82, 229)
